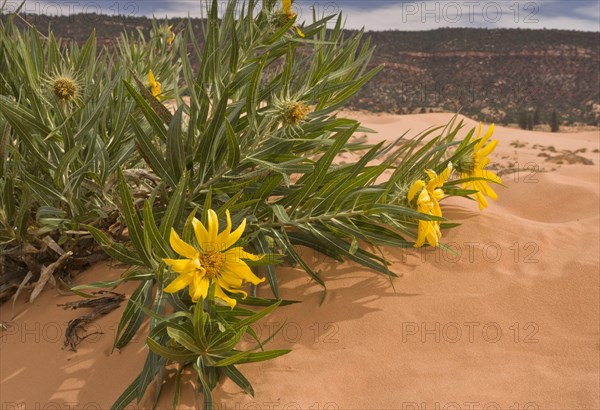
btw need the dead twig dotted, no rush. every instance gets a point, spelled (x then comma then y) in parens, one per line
(46, 274)
(76, 328)
(16, 295)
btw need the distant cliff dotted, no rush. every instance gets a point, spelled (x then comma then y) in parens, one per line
(491, 75)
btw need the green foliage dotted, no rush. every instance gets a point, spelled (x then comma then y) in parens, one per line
(527, 119)
(537, 116)
(60, 158)
(204, 337)
(554, 122)
(522, 121)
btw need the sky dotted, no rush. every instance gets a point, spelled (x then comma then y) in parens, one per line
(371, 14)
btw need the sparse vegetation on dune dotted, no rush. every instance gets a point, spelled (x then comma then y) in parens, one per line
(203, 202)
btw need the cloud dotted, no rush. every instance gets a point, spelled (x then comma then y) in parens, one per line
(427, 15)
(371, 14)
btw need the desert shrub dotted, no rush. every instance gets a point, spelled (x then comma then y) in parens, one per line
(252, 140)
(554, 122)
(66, 120)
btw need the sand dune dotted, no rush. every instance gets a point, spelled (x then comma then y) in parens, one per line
(508, 321)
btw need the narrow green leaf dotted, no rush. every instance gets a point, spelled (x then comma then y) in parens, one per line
(174, 209)
(153, 118)
(175, 145)
(168, 353)
(134, 225)
(238, 378)
(262, 356)
(127, 396)
(159, 245)
(115, 250)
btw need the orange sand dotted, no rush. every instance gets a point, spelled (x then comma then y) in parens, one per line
(510, 322)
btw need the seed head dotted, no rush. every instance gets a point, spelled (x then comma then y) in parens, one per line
(295, 112)
(467, 163)
(65, 88)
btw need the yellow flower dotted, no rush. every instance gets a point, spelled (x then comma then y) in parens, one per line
(290, 15)
(154, 85)
(170, 35)
(429, 195)
(217, 261)
(477, 169)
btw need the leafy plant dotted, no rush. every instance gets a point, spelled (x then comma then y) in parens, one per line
(253, 132)
(66, 130)
(205, 339)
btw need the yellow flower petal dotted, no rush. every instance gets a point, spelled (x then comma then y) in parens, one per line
(435, 180)
(156, 90)
(431, 174)
(227, 287)
(184, 249)
(151, 78)
(300, 33)
(491, 176)
(171, 34)
(199, 288)
(428, 231)
(444, 175)
(240, 269)
(239, 253)
(479, 128)
(436, 210)
(422, 233)
(201, 234)
(179, 283)
(221, 295)
(423, 200)
(235, 235)
(416, 187)
(481, 160)
(154, 85)
(222, 237)
(213, 228)
(231, 279)
(287, 6)
(489, 133)
(437, 195)
(483, 140)
(485, 189)
(481, 200)
(183, 265)
(427, 203)
(488, 149)
(482, 163)
(434, 235)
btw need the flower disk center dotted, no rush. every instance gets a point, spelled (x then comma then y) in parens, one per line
(296, 113)
(213, 262)
(64, 88)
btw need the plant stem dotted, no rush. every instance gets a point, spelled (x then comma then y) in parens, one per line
(310, 219)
